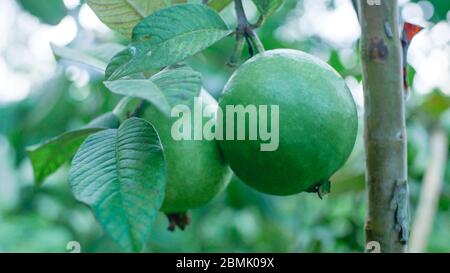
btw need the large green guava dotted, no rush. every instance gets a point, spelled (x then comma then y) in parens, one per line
(317, 121)
(196, 169)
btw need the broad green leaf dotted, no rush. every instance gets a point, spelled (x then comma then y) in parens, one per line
(123, 15)
(166, 37)
(52, 12)
(97, 58)
(120, 174)
(268, 7)
(164, 90)
(144, 89)
(49, 156)
(219, 5)
(179, 84)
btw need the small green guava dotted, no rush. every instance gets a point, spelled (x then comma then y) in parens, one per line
(196, 169)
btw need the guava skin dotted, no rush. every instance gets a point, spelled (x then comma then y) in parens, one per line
(317, 121)
(196, 169)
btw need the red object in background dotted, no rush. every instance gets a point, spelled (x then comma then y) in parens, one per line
(408, 33)
(410, 30)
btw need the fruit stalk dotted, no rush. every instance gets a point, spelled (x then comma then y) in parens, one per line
(387, 220)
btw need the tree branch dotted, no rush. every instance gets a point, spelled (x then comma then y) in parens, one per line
(385, 136)
(431, 191)
(246, 31)
(240, 13)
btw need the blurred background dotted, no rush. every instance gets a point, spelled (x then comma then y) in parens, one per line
(41, 98)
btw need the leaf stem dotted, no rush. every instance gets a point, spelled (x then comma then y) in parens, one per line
(260, 22)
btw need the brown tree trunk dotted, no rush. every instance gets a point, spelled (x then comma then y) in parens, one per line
(387, 223)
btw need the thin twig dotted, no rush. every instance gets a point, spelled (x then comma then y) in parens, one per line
(431, 191)
(246, 30)
(240, 13)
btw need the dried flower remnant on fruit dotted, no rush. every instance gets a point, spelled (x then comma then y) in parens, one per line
(321, 189)
(180, 220)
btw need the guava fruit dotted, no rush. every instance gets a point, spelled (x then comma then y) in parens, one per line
(317, 122)
(196, 169)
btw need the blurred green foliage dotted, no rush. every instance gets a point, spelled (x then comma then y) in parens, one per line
(37, 219)
(52, 12)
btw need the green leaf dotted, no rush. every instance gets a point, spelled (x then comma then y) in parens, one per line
(180, 84)
(168, 36)
(144, 89)
(52, 12)
(46, 158)
(120, 174)
(164, 90)
(97, 57)
(49, 156)
(219, 5)
(268, 7)
(123, 15)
